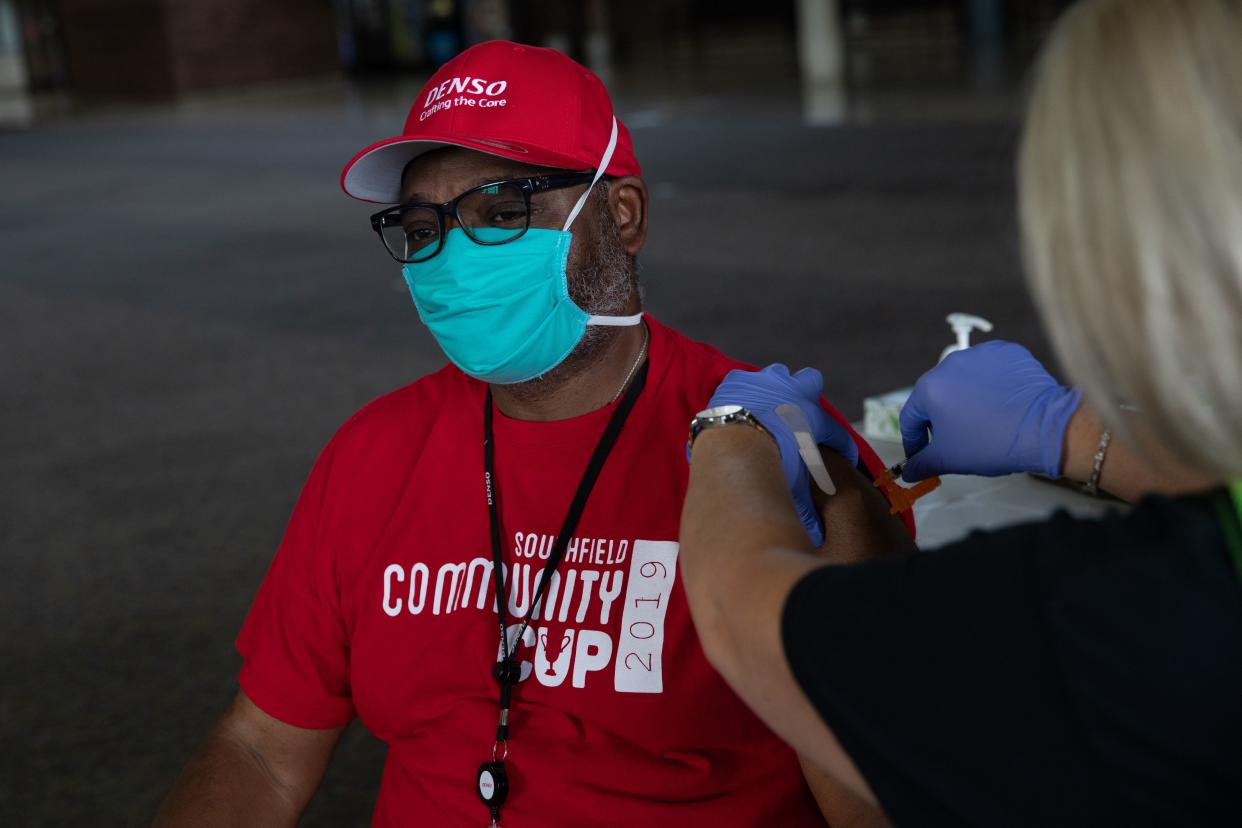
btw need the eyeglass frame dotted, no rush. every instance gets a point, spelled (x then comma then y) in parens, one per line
(528, 185)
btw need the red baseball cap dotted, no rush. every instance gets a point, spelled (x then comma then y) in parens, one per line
(532, 105)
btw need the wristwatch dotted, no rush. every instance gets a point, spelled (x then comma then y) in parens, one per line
(721, 415)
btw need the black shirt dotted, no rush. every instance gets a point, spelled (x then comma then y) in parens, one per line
(1074, 672)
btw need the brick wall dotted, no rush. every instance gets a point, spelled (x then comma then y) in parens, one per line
(223, 42)
(116, 48)
(163, 48)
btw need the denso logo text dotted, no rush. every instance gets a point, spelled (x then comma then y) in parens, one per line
(466, 86)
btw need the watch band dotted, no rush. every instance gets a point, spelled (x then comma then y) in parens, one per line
(718, 417)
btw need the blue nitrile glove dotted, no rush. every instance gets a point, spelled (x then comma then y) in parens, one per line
(992, 410)
(760, 393)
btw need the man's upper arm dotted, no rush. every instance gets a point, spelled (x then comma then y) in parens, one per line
(868, 459)
(251, 770)
(295, 758)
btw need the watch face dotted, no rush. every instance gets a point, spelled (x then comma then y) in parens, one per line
(716, 412)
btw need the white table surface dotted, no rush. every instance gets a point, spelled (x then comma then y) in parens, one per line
(963, 504)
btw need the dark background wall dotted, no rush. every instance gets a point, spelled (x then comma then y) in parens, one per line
(165, 48)
(225, 42)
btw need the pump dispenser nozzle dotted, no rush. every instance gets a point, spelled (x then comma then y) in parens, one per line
(962, 325)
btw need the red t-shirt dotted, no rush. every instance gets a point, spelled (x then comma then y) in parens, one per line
(380, 603)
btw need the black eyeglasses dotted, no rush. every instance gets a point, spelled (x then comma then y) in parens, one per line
(495, 213)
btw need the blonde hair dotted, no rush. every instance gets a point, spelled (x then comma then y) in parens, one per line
(1131, 205)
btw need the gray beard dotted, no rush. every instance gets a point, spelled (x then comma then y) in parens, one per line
(602, 287)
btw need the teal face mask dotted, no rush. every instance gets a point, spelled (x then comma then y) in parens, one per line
(502, 313)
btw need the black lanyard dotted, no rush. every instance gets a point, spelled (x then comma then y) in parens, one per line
(492, 782)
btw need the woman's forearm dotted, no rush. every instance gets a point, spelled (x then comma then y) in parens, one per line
(1125, 473)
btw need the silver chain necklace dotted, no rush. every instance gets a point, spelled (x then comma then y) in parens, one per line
(642, 352)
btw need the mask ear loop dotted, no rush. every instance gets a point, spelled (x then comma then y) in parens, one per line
(611, 321)
(599, 173)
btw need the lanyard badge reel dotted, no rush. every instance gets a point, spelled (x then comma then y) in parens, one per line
(493, 787)
(492, 782)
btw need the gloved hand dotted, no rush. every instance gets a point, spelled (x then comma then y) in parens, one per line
(992, 410)
(760, 393)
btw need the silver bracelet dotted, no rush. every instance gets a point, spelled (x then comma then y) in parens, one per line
(1092, 486)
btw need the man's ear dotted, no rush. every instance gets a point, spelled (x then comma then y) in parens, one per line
(627, 200)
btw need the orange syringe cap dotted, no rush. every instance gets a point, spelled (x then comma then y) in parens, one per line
(902, 498)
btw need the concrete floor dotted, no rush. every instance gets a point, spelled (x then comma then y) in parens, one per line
(190, 307)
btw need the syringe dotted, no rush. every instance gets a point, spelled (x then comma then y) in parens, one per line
(901, 498)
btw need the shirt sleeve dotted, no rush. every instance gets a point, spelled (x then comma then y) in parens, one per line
(294, 645)
(937, 675)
